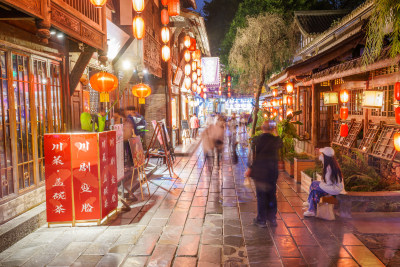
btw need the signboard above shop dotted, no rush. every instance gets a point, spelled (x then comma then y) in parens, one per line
(211, 72)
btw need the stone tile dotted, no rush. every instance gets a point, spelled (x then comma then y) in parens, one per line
(314, 255)
(210, 254)
(183, 204)
(171, 235)
(87, 261)
(40, 259)
(121, 249)
(292, 220)
(364, 256)
(288, 192)
(201, 193)
(158, 222)
(162, 255)
(214, 208)
(145, 245)
(349, 239)
(178, 218)
(212, 236)
(197, 213)
(188, 245)
(292, 262)
(193, 227)
(286, 246)
(344, 263)
(135, 261)
(199, 202)
(70, 254)
(284, 206)
(295, 201)
(214, 220)
(229, 192)
(185, 262)
(280, 229)
(111, 259)
(235, 241)
(186, 196)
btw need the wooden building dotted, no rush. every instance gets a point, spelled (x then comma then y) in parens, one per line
(329, 60)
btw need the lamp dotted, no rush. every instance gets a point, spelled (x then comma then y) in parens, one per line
(331, 98)
(372, 99)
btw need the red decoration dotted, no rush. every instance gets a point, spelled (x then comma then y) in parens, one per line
(188, 69)
(164, 16)
(141, 91)
(289, 100)
(174, 8)
(275, 92)
(344, 113)
(98, 3)
(397, 91)
(103, 82)
(197, 54)
(289, 87)
(187, 41)
(192, 46)
(165, 34)
(138, 27)
(396, 141)
(165, 53)
(164, 2)
(187, 56)
(397, 115)
(344, 96)
(344, 130)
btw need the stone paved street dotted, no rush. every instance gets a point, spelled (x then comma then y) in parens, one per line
(204, 219)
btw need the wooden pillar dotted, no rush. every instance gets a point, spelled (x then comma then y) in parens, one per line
(66, 90)
(314, 116)
(298, 107)
(366, 112)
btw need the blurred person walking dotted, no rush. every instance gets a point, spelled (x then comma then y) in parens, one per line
(194, 126)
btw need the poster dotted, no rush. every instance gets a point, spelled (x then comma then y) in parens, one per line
(159, 136)
(137, 152)
(58, 178)
(120, 150)
(84, 153)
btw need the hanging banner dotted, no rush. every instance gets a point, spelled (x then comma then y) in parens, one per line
(210, 72)
(58, 178)
(110, 199)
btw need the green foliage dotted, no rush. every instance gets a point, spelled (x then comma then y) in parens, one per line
(287, 132)
(385, 13)
(292, 155)
(317, 169)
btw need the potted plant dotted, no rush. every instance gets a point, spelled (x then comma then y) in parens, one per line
(309, 175)
(289, 163)
(302, 162)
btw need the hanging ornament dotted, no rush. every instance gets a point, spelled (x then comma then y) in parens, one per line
(165, 35)
(192, 46)
(98, 3)
(174, 8)
(141, 91)
(166, 53)
(275, 92)
(187, 56)
(219, 93)
(289, 112)
(344, 96)
(397, 91)
(289, 100)
(199, 72)
(194, 87)
(186, 41)
(188, 69)
(197, 54)
(280, 110)
(164, 17)
(344, 113)
(138, 27)
(104, 82)
(138, 5)
(194, 76)
(194, 66)
(188, 82)
(280, 118)
(289, 87)
(397, 115)
(199, 89)
(344, 130)
(164, 2)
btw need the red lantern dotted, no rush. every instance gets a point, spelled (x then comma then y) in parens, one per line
(103, 82)
(138, 27)
(280, 110)
(165, 34)
(219, 93)
(166, 53)
(289, 88)
(289, 112)
(192, 46)
(199, 89)
(199, 72)
(194, 87)
(397, 91)
(344, 96)
(397, 115)
(187, 41)
(229, 94)
(344, 130)
(197, 54)
(174, 8)
(396, 141)
(280, 118)
(138, 5)
(164, 2)
(194, 76)
(275, 92)
(289, 100)
(194, 66)
(280, 102)
(164, 17)
(98, 3)
(187, 56)
(141, 91)
(344, 113)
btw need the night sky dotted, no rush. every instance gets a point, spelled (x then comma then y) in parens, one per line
(200, 4)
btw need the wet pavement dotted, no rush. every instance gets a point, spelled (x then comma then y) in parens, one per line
(204, 218)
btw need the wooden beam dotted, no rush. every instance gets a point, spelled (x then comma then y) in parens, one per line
(314, 116)
(357, 77)
(79, 68)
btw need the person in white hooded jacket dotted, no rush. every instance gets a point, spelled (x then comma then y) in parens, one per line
(331, 184)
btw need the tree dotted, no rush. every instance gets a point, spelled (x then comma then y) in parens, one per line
(261, 47)
(385, 13)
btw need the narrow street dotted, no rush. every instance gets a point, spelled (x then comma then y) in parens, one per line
(204, 218)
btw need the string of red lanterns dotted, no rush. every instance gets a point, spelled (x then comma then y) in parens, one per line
(138, 22)
(344, 112)
(165, 33)
(396, 136)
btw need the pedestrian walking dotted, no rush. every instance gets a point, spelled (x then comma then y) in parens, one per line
(264, 171)
(331, 184)
(194, 126)
(232, 126)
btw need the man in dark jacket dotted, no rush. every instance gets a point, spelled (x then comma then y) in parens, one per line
(264, 171)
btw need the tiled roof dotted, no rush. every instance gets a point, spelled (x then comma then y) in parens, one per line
(315, 22)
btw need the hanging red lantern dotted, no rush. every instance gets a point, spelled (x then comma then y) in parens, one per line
(199, 72)
(194, 66)
(138, 5)
(397, 115)
(397, 91)
(344, 96)
(192, 46)
(186, 41)
(174, 8)
(104, 83)
(280, 102)
(344, 113)
(344, 130)
(275, 92)
(188, 83)
(194, 76)
(199, 81)
(280, 118)
(280, 110)
(289, 112)
(98, 3)
(166, 53)
(164, 2)
(197, 54)
(219, 93)
(141, 91)
(229, 94)
(164, 17)
(188, 69)
(138, 27)
(289, 88)
(396, 141)
(165, 34)
(289, 100)
(187, 56)
(199, 89)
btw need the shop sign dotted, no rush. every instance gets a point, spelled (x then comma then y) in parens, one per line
(210, 71)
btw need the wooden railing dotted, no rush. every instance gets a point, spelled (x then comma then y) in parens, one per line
(86, 8)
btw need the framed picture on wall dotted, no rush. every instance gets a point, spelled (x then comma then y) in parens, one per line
(178, 77)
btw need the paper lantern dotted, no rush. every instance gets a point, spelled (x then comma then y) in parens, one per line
(104, 83)
(280, 110)
(138, 5)
(289, 100)
(138, 27)
(164, 17)
(174, 8)
(194, 76)
(199, 72)
(289, 112)
(199, 89)
(197, 54)
(396, 140)
(187, 56)
(186, 41)
(344, 96)
(344, 130)
(280, 118)
(331, 98)
(192, 46)
(344, 113)
(219, 93)
(280, 102)
(194, 66)
(275, 92)
(98, 3)
(397, 115)
(199, 80)
(229, 94)
(166, 53)
(188, 69)
(187, 82)
(165, 34)
(372, 99)
(289, 88)
(141, 91)
(164, 2)
(275, 113)
(397, 91)
(194, 87)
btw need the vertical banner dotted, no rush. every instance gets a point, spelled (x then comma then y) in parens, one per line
(84, 153)
(120, 150)
(104, 174)
(59, 196)
(112, 171)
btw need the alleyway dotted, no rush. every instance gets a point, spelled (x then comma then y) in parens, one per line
(202, 219)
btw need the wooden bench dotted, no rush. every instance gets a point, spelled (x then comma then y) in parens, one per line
(346, 199)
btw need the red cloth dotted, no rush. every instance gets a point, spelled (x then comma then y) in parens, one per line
(194, 122)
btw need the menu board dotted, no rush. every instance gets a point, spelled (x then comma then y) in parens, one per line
(58, 178)
(85, 171)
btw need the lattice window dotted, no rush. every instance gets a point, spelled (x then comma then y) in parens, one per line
(388, 108)
(356, 102)
(353, 133)
(337, 139)
(384, 147)
(384, 71)
(338, 81)
(369, 138)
